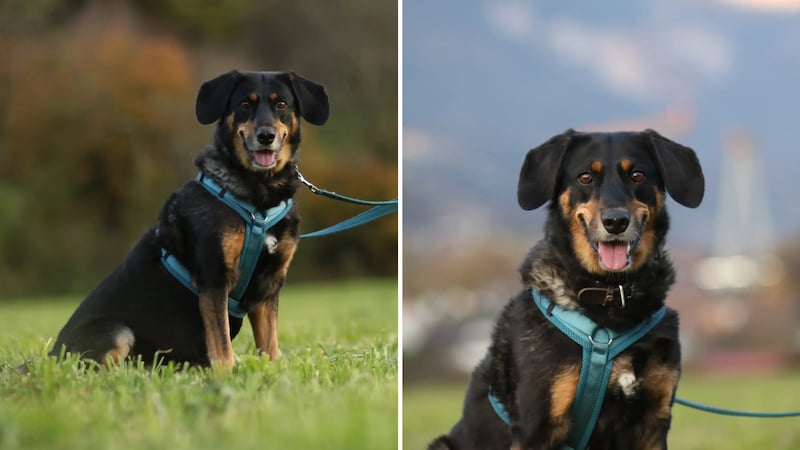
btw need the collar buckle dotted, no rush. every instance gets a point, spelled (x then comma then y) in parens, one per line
(603, 296)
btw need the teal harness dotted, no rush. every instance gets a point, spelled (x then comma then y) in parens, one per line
(257, 223)
(600, 347)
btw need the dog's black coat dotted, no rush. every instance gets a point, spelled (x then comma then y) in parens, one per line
(140, 309)
(531, 366)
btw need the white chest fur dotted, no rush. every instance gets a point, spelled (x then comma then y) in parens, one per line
(271, 242)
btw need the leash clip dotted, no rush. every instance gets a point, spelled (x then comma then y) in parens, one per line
(303, 180)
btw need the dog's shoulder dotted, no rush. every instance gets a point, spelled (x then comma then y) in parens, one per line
(520, 334)
(543, 269)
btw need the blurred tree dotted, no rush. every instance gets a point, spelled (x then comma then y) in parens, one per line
(96, 124)
(88, 146)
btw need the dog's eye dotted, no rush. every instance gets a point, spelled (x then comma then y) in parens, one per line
(245, 105)
(281, 105)
(585, 178)
(637, 176)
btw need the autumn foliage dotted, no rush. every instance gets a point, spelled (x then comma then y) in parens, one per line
(97, 127)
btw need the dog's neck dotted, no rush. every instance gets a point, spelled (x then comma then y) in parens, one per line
(262, 189)
(561, 278)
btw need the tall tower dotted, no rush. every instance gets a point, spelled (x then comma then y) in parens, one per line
(742, 255)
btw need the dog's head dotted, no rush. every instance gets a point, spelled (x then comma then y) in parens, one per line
(258, 114)
(609, 188)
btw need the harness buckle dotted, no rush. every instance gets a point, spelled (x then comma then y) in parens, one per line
(259, 221)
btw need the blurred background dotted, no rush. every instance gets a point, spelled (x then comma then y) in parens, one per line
(97, 125)
(485, 81)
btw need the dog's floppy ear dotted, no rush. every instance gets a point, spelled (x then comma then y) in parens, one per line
(680, 169)
(539, 173)
(213, 97)
(312, 100)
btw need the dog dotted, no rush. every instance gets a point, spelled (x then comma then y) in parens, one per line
(605, 230)
(140, 309)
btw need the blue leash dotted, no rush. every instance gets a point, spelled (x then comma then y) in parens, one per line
(366, 216)
(335, 196)
(379, 209)
(731, 412)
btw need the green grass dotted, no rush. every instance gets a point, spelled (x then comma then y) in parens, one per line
(335, 387)
(431, 410)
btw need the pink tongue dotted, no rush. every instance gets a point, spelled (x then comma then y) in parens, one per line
(265, 158)
(614, 256)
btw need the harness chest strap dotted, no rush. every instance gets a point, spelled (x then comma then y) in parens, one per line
(600, 347)
(257, 224)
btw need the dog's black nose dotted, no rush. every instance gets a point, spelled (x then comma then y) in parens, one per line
(265, 135)
(615, 221)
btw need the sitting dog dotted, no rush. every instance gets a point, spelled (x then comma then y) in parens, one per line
(169, 300)
(602, 260)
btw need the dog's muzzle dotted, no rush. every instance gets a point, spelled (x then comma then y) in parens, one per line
(614, 239)
(263, 146)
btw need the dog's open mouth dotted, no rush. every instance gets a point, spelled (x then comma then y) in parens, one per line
(614, 255)
(263, 155)
(264, 158)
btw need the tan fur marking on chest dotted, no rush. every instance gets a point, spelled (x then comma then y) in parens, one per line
(232, 244)
(562, 393)
(286, 247)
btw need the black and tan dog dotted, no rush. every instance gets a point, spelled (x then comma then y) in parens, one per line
(605, 228)
(140, 309)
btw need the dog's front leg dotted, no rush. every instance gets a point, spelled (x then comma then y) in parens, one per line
(660, 381)
(214, 311)
(546, 428)
(264, 321)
